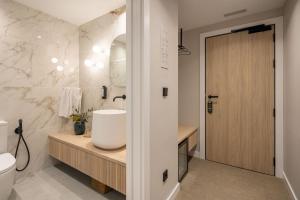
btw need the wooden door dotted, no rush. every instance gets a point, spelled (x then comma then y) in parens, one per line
(240, 71)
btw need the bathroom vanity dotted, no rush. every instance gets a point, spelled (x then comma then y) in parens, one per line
(106, 168)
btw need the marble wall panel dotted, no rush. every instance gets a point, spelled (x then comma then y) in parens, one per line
(100, 32)
(29, 82)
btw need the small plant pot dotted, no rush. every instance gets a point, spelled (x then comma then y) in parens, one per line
(79, 128)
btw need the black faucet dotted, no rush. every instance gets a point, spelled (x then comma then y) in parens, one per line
(120, 97)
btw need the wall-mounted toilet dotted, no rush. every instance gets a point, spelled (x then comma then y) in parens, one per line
(7, 164)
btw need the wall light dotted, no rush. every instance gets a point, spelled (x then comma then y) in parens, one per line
(72, 70)
(100, 65)
(88, 63)
(59, 68)
(54, 60)
(98, 50)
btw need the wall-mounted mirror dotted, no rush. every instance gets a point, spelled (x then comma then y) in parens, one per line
(118, 61)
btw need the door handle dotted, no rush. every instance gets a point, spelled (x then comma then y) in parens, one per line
(212, 97)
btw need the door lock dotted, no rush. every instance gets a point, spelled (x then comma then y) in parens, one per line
(210, 103)
(209, 106)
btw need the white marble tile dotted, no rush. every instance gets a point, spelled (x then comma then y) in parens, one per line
(25, 59)
(101, 32)
(29, 81)
(38, 109)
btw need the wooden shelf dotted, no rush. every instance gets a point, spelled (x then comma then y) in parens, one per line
(185, 132)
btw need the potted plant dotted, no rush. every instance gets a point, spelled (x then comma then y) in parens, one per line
(79, 120)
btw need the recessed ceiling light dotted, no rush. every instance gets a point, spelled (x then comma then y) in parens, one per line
(39, 37)
(235, 13)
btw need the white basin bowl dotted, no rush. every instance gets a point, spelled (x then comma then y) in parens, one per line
(109, 129)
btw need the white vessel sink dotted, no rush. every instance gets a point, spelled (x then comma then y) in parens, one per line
(109, 129)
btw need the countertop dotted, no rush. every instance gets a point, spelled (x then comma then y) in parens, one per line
(185, 132)
(84, 143)
(119, 156)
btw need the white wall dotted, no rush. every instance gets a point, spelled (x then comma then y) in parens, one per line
(189, 67)
(292, 94)
(163, 111)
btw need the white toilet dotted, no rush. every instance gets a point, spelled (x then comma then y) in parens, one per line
(7, 164)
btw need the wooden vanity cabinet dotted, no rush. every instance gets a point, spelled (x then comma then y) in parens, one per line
(91, 162)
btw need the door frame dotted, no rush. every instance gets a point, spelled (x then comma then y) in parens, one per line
(278, 22)
(137, 106)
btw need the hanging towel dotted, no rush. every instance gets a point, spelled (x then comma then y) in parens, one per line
(70, 99)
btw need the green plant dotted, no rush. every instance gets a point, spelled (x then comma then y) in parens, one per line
(78, 116)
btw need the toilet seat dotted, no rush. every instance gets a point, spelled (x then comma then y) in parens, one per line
(7, 162)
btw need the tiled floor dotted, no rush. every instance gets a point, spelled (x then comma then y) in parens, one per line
(212, 181)
(59, 183)
(205, 181)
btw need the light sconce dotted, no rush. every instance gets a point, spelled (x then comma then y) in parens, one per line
(59, 68)
(72, 70)
(89, 63)
(66, 62)
(98, 50)
(54, 60)
(100, 65)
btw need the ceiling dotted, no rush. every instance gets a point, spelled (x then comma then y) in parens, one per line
(199, 13)
(76, 12)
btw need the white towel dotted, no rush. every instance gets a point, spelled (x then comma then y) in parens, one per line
(70, 99)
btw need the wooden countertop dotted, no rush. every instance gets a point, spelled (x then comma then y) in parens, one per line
(85, 144)
(185, 132)
(119, 156)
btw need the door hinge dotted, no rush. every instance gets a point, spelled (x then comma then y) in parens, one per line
(274, 37)
(274, 63)
(274, 161)
(274, 112)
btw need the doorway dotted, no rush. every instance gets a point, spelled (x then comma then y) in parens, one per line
(240, 101)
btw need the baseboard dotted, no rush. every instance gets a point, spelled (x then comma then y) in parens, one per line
(174, 192)
(289, 186)
(197, 154)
